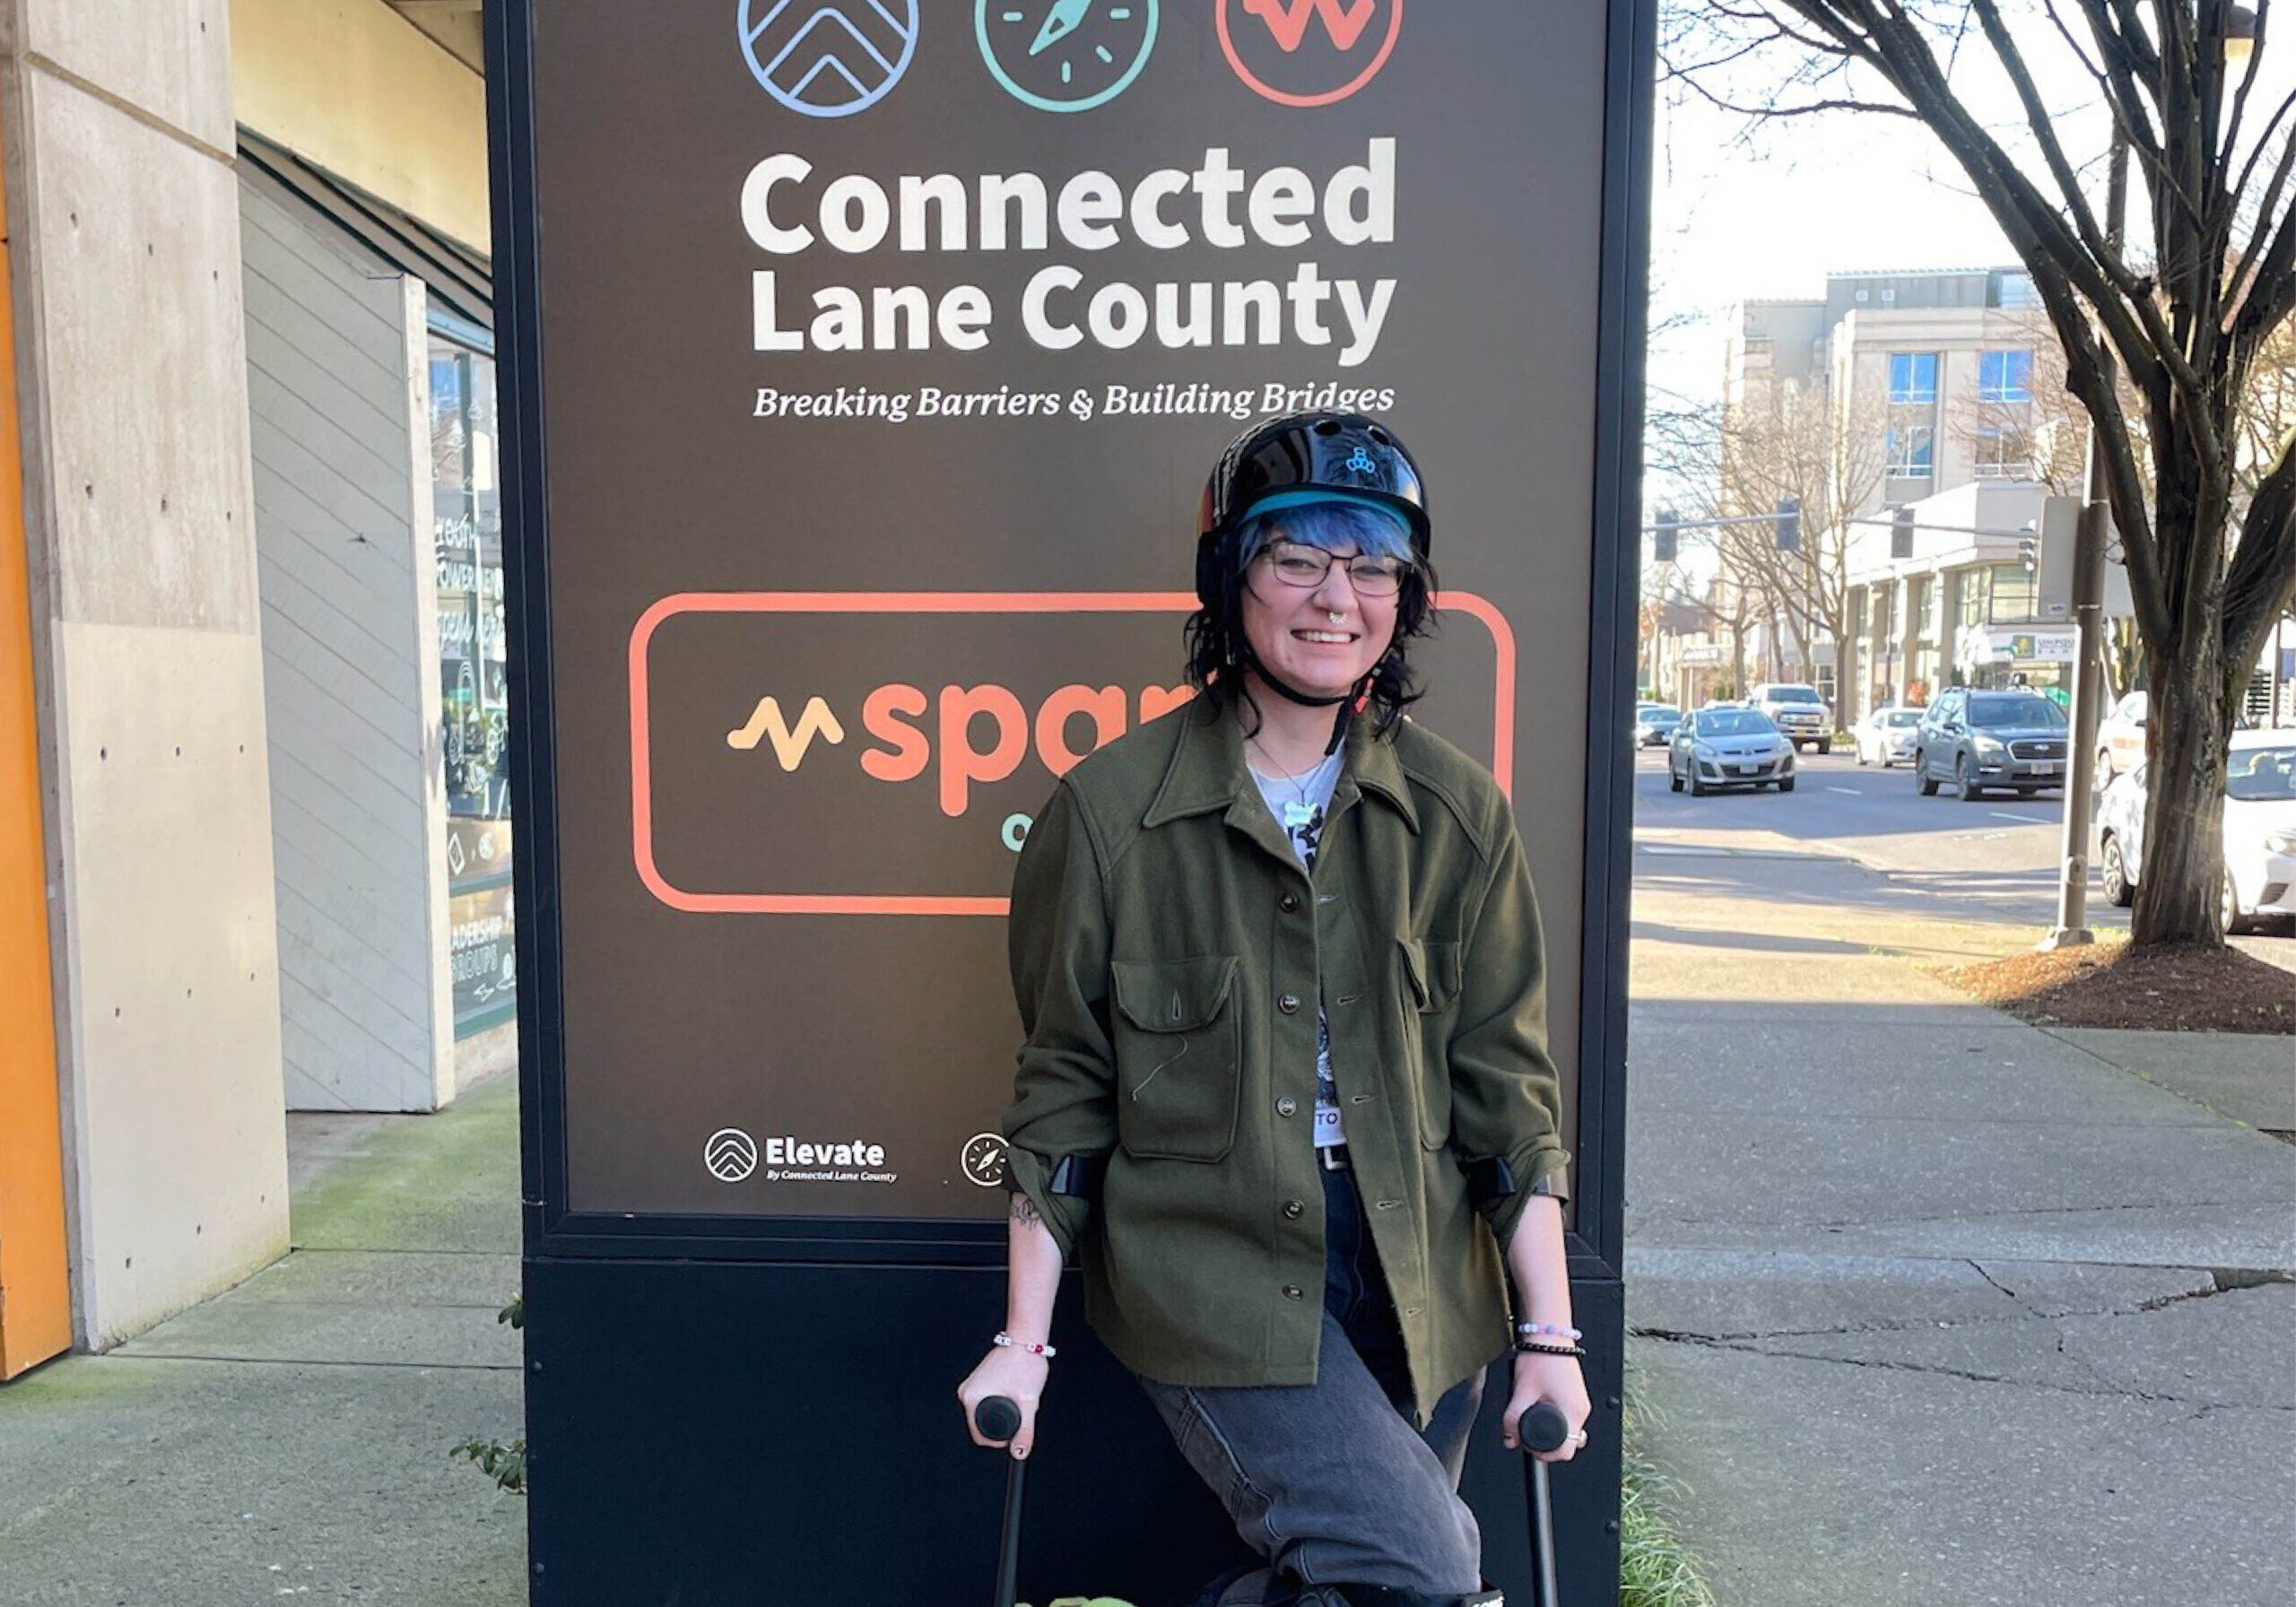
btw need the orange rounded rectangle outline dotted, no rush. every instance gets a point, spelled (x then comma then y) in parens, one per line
(641, 802)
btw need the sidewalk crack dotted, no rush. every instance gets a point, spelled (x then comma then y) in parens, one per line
(1882, 1365)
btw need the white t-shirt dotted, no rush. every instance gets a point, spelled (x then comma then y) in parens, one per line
(1299, 803)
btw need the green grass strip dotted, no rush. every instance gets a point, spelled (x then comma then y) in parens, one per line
(1655, 1568)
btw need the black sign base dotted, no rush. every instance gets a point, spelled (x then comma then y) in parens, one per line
(773, 1436)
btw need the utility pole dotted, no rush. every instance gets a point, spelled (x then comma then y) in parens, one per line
(2072, 929)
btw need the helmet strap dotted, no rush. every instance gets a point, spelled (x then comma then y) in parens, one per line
(1350, 703)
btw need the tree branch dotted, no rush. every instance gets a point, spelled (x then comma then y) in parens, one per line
(2263, 571)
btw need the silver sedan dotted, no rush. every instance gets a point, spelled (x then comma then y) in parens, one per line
(1717, 748)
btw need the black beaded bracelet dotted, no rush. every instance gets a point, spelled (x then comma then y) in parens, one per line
(1533, 1347)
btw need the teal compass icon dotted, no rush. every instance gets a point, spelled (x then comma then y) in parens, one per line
(1065, 54)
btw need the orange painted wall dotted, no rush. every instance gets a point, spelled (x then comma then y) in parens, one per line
(35, 1280)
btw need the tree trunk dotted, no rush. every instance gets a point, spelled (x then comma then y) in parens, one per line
(2187, 724)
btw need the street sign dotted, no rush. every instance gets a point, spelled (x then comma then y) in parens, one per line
(863, 369)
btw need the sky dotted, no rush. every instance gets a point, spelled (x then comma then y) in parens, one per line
(1733, 220)
(1736, 217)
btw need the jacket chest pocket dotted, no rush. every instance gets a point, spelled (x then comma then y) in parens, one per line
(1431, 995)
(1178, 1052)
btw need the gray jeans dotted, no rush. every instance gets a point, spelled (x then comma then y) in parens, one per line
(1329, 1482)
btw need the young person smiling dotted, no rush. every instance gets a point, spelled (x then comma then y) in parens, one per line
(1285, 1090)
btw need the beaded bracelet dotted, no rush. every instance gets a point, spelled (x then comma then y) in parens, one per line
(1009, 1343)
(1531, 1347)
(1551, 1330)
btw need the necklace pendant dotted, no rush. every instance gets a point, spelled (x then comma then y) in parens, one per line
(1299, 816)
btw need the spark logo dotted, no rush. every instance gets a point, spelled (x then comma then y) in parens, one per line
(905, 719)
(901, 780)
(788, 746)
(1308, 52)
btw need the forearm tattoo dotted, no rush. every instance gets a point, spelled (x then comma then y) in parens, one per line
(1024, 1210)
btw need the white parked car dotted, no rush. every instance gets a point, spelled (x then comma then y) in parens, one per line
(2259, 830)
(2121, 737)
(1886, 736)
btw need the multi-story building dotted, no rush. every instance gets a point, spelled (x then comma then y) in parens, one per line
(1893, 392)
(254, 851)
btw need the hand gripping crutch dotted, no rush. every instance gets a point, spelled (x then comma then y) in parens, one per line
(1542, 1428)
(999, 1419)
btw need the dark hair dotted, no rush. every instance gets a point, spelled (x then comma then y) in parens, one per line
(1218, 650)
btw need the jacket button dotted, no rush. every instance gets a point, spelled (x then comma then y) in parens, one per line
(1294, 1209)
(1286, 1105)
(1292, 1291)
(1289, 1003)
(1288, 903)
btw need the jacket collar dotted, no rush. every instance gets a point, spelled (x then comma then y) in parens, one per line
(1207, 771)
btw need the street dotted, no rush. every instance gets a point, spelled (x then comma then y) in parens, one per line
(1993, 860)
(1927, 1305)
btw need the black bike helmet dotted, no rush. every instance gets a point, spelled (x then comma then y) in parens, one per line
(1290, 459)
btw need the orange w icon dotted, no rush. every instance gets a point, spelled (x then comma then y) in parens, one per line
(1287, 19)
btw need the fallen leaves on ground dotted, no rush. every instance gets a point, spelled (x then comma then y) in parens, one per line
(2110, 984)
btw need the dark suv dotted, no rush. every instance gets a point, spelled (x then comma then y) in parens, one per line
(2014, 741)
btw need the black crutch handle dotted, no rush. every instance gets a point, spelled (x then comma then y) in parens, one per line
(999, 1419)
(1542, 1428)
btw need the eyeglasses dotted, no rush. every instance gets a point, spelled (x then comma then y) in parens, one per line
(1371, 575)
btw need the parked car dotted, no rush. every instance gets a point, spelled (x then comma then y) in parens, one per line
(2120, 738)
(2014, 741)
(2259, 831)
(1729, 747)
(1886, 736)
(1654, 723)
(1797, 710)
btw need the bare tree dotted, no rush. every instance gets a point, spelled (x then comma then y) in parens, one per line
(1787, 441)
(2185, 309)
(2046, 434)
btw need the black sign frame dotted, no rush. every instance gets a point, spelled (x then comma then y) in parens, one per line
(561, 1242)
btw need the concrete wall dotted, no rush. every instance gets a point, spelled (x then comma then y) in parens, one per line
(354, 87)
(337, 383)
(132, 372)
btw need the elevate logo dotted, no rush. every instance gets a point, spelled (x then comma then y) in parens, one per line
(828, 60)
(1274, 46)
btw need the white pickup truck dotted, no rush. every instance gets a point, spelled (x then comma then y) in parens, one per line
(1797, 711)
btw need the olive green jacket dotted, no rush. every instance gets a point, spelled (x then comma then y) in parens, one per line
(1168, 951)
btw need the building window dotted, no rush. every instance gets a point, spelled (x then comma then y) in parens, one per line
(1909, 451)
(2003, 453)
(1925, 590)
(1913, 379)
(2015, 598)
(2017, 291)
(467, 507)
(2004, 377)
(1977, 596)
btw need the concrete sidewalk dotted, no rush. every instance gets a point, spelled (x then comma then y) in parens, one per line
(288, 1439)
(1933, 1306)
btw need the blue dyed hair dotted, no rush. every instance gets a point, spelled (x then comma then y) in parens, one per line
(1328, 523)
(1217, 651)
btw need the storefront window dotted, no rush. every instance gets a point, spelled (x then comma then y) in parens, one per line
(474, 700)
(2014, 597)
(1977, 596)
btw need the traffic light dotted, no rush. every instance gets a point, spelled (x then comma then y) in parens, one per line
(1663, 547)
(2029, 553)
(1789, 524)
(1901, 531)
